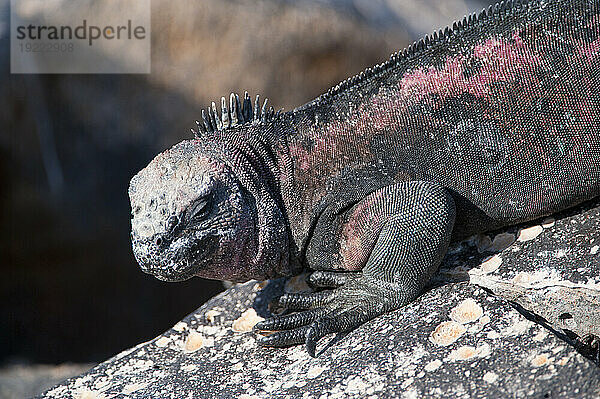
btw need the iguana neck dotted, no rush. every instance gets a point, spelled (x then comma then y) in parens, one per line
(258, 156)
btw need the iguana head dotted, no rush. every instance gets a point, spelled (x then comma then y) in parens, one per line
(190, 216)
(194, 212)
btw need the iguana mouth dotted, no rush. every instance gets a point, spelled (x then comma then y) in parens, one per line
(183, 262)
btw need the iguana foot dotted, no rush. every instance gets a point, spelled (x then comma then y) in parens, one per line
(349, 300)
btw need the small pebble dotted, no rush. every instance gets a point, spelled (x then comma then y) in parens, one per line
(490, 377)
(491, 264)
(194, 341)
(246, 321)
(482, 242)
(467, 311)
(462, 353)
(529, 233)
(433, 365)
(447, 333)
(162, 342)
(315, 371)
(540, 360)
(501, 242)
(548, 222)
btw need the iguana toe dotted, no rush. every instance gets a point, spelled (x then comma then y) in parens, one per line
(302, 301)
(328, 279)
(285, 338)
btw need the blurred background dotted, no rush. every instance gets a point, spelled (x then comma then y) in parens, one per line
(70, 289)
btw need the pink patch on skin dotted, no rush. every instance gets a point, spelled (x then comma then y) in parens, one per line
(360, 233)
(590, 50)
(300, 154)
(507, 79)
(331, 140)
(501, 61)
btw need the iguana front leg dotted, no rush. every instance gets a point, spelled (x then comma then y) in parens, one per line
(407, 229)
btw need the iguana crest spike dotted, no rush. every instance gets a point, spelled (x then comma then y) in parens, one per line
(238, 113)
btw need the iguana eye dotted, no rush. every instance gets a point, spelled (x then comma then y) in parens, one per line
(199, 209)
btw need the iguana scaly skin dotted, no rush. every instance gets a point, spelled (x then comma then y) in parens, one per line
(490, 123)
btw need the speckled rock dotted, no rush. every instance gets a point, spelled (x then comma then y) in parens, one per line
(552, 273)
(489, 326)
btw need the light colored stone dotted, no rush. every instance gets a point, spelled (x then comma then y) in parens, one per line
(548, 222)
(433, 365)
(530, 233)
(491, 264)
(162, 342)
(540, 360)
(246, 321)
(490, 377)
(466, 312)
(447, 333)
(194, 342)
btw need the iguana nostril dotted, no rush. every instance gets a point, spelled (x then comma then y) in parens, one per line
(158, 241)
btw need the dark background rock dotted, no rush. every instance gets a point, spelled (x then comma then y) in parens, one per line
(416, 18)
(457, 340)
(72, 142)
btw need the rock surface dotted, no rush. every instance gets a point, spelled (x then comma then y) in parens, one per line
(557, 272)
(457, 340)
(24, 381)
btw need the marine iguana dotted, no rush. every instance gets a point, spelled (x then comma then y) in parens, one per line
(486, 124)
